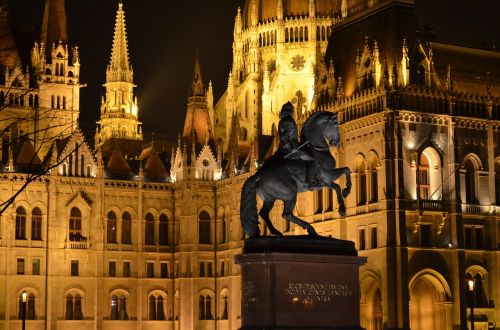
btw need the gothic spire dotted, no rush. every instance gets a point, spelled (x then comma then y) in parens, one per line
(54, 24)
(197, 85)
(119, 53)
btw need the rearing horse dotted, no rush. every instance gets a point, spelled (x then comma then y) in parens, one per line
(282, 179)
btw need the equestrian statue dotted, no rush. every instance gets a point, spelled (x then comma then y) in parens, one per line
(294, 168)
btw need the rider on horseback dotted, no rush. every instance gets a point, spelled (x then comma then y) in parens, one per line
(289, 143)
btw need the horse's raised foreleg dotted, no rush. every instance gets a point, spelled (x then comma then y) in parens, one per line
(348, 184)
(264, 214)
(340, 198)
(288, 215)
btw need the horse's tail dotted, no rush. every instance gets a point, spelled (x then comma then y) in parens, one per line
(248, 207)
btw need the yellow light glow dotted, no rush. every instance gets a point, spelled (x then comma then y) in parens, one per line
(134, 110)
(471, 285)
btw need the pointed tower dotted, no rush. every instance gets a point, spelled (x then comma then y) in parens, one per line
(197, 125)
(119, 110)
(56, 68)
(54, 24)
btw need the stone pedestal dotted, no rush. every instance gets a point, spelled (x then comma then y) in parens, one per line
(299, 283)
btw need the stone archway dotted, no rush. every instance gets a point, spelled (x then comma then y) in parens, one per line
(429, 302)
(372, 316)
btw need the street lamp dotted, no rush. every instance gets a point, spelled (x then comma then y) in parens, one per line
(24, 296)
(471, 283)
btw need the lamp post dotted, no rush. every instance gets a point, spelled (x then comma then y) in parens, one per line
(23, 312)
(470, 283)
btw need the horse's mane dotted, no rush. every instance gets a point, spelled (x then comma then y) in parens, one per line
(314, 117)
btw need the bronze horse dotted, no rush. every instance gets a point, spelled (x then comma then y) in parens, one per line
(281, 178)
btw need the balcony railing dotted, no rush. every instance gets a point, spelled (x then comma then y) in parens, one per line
(77, 245)
(156, 248)
(119, 247)
(423, 205)
(29, 244)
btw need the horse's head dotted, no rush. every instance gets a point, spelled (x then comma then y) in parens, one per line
(331, 131)
(321, 129)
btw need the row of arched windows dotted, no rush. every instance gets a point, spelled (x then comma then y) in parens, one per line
(367, 180)
(118, 230)
(18, 99)
(428, 180)
(150, 237)
(35, 224)
(323, 33)
(297, 34)
(267, 38)
(58, 102)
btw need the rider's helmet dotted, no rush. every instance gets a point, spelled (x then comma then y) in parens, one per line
(286, 110)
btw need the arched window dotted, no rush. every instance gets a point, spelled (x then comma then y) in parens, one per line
(361, 184)
(75, 225)
(20, 223)
(30, 100)
(156, 307)
(30, 307)
(224, 315)
(205, 306)
(224, 229)
(36, 101)
(470, 182)
(149, 233)
(424, 177)
(36, 224)
(204, 234)
(111, 227)
(118, 307)
(372, 171)
(74, 307)
(163, 234)
(126, 228)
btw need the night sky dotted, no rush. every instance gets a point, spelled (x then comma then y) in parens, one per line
(163, 36)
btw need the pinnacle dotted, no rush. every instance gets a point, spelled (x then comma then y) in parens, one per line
(119, 54)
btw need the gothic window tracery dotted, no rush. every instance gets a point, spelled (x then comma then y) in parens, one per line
(36, 224)
(118, 307)
(111, 227)
(205, 307)
(126, 228)
(157, 302)
(74, 307)
(149, 232)
(204, 232)
(75, 225)
(20, 223)
(163, 230)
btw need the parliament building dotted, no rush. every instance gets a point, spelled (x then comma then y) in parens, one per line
(113, 232)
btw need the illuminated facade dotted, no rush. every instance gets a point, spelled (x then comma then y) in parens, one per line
(122, 237)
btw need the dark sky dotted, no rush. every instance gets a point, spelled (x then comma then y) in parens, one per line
(163, 36)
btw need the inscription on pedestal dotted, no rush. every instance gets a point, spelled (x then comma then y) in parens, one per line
(317, 292)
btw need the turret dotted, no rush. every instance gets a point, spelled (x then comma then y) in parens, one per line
(197, 125)
(120, 110)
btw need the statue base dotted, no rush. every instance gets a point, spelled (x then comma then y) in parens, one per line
(299, 282)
